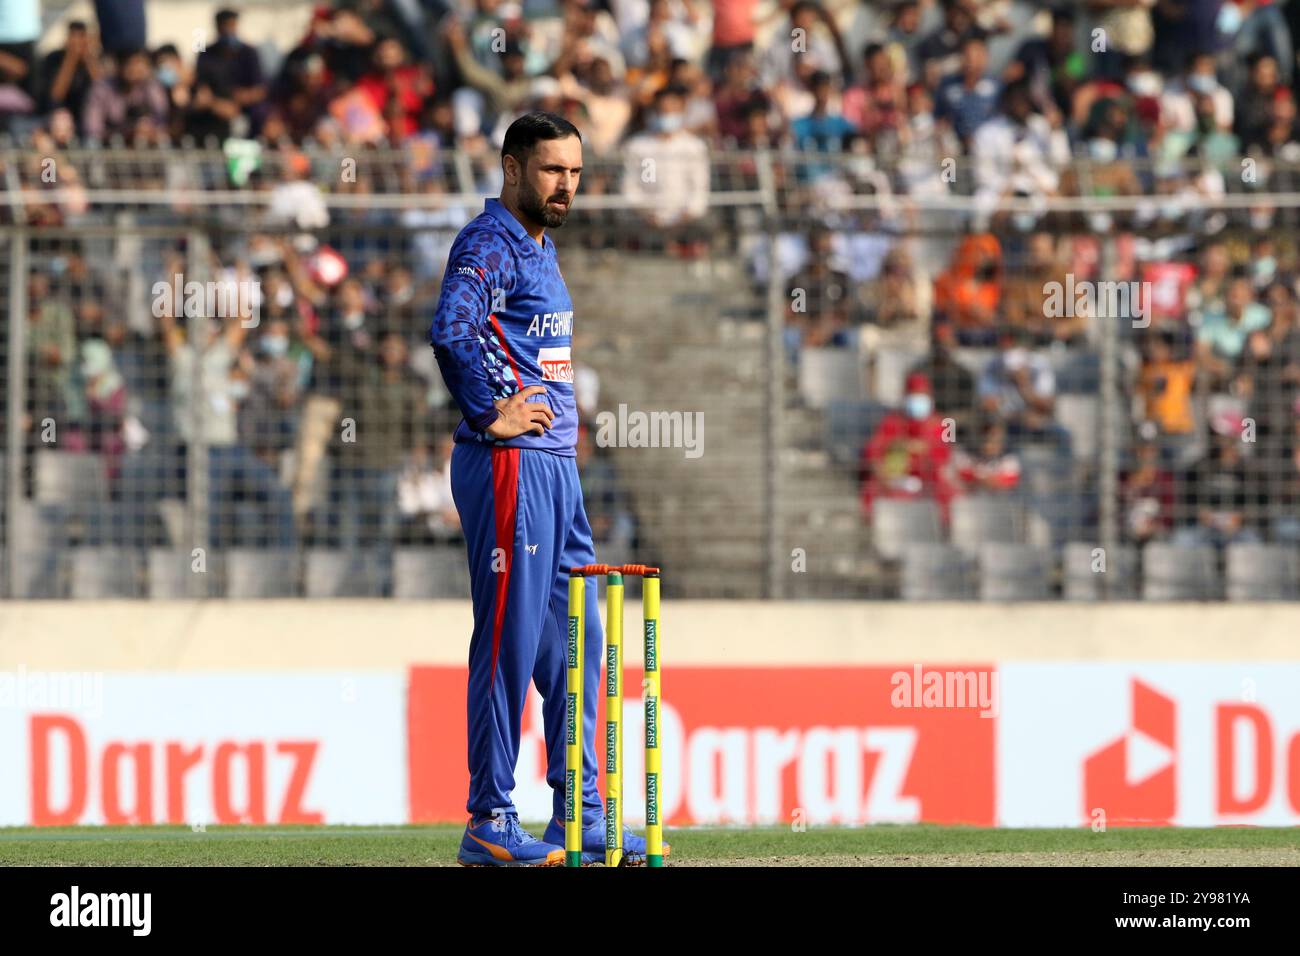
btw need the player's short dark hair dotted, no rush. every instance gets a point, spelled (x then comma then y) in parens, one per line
(526, 132)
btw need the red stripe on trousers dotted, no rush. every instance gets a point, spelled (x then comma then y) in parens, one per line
(505, 494)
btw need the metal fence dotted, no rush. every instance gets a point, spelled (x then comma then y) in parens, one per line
(834, 376)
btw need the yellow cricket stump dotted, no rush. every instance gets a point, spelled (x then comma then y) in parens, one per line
(573, 762)
(573, 724)
(614, 719)
(654, 832)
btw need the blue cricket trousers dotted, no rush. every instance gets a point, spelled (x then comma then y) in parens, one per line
(525, 526)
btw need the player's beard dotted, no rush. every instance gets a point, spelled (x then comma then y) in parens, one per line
(535, 208)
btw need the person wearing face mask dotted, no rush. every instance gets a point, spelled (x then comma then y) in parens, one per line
(228, 83)
(910, 453)
(674, 200)
(268, 415)
(1177, 103)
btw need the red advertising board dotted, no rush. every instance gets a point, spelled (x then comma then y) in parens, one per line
(749, 745)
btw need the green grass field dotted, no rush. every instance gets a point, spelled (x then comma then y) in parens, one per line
(775, 846)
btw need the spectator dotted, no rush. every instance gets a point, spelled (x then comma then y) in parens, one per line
(904, 36)
(940, 53)
(908, 455)
(609, 108)
(20, 27)
(1223, 331)
(51, 349)
(424, 497)
(953, 383)
(967, 98)
(969, 293)
(235, 474)
(735, 95)
(1284, 497)
(1026, 302)
(922, 148)
(114, 104)
(386, 403)
(121, 25)
(396, 89)
(1019, 387)
(991, 468)
(69, 73)
(1147, 493)
(820, 131)
(733, 33)
(896, 306)
(667, 170)
(501, 94)
(1220, 492)
(1269, 380)
(1017, 154)
(96, 406)
(228, 85)
(676, 30)
(878, 102)
(818, 298)
(268, 416)
(822, 48)
(1165, 386)
(1255, 100)
(1178, 113)
(1050, 66)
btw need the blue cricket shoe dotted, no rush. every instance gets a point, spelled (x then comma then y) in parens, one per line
(501, 841)
(593, 843)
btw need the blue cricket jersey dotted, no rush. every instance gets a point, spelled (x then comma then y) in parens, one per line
(504, 321)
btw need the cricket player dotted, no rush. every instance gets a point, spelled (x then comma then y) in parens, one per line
(502, 332)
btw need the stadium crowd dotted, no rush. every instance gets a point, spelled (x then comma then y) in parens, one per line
(1181, 102)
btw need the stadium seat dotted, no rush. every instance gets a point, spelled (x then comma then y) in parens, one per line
(829, 373)
(336, 573)
(1178, 572)
(105, 572)
(1077, 372)
(252, 573)
(848, 426)
(430, 573)
(1014, 572)
(895, 523)
(63, 477)
(1118, 582)
(936, 572)
(1263, 572)
(980, 519)
(889, 370)
(37, 545)
(1080, 416)
(171, 575)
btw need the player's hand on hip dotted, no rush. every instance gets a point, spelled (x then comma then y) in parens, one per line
(519, 416)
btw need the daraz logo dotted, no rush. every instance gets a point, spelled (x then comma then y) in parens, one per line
(1134, 779)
